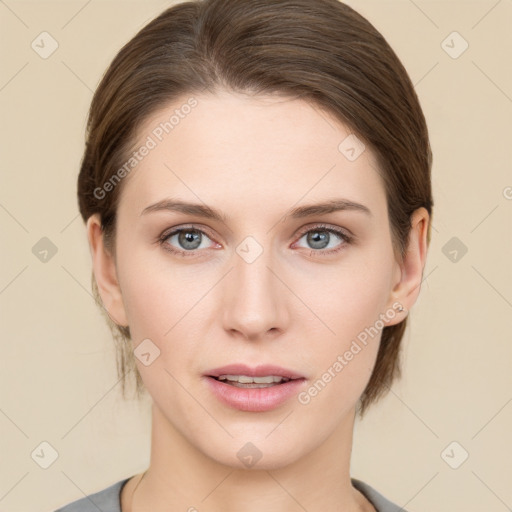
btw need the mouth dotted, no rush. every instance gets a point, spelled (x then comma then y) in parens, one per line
(262, 376)
(245, 381)
(257, 389)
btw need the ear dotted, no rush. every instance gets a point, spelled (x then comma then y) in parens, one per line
(407, 287)
(104, 269)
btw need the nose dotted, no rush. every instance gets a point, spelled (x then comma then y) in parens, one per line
(254, 299)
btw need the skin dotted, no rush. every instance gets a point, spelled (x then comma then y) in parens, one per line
(252, 158)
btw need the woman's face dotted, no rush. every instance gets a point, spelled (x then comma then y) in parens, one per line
(263, 283)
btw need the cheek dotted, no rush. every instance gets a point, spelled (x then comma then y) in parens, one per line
(150, 307)
(152, 288)
(351, 296)
(344, 359)
(159, 311)
(350, 302)
(163, 304)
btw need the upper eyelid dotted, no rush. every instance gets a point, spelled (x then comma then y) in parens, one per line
(178, 229)
(327, 227)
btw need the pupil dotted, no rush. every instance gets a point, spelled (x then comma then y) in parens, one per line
(190, 239)
(319, 239)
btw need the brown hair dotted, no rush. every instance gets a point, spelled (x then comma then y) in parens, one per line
(321, 51)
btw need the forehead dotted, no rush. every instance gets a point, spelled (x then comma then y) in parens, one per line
(257, 150)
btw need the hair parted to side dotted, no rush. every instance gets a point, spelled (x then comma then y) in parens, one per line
(321, 51)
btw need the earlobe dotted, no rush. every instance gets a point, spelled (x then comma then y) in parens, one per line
(406, 291)
(104, 269)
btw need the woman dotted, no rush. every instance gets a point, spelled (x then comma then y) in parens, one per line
(256, 189)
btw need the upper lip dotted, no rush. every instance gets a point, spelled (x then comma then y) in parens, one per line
(258, 371)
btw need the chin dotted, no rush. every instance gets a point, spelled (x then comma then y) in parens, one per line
(255, 451)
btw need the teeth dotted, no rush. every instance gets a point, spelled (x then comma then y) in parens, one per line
(244, 379)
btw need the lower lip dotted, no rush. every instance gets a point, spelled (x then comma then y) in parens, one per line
(255, 399)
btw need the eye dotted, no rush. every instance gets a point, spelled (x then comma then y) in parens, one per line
(184, 241)
(188, 240)
(321, 240)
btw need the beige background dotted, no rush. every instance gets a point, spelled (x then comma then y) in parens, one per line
(58, 380)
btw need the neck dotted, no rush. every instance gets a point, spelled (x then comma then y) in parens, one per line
(181, 477)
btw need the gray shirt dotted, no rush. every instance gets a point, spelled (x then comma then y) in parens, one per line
(108, 500)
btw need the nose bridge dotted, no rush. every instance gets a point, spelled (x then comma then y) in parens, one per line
(253, 304)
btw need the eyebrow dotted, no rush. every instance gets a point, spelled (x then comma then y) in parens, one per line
(207, 212)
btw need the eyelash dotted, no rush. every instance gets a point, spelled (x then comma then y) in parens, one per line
(347, 239)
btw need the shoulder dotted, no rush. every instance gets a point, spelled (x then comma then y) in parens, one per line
(106, 500)
(380, 503)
